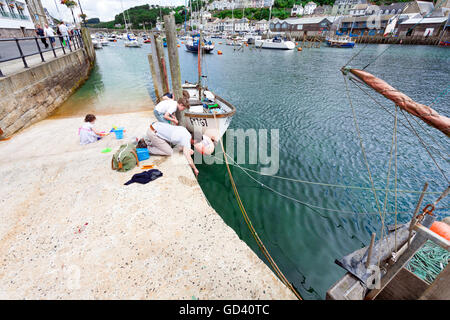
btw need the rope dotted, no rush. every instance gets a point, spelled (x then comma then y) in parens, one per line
(252, 229)
(429, 261)
(421, 141)
(332, 185)
(355, 82)
(362, 149)
(311, 206)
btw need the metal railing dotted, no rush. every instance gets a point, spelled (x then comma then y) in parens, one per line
(66, 43)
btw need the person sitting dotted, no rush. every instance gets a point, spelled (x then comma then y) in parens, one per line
(87, 132)
(164, 111)
(160, 135)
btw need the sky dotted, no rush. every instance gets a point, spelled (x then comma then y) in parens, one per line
(103, 9)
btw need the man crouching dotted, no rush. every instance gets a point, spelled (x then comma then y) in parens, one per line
(161, 135)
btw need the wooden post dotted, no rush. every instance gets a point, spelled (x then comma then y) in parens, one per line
(157, 78)
(162, 65)
(156, 83)
(172, 49)
(372, 241)
(419, 203)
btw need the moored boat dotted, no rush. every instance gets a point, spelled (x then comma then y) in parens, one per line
(208, 112)
(192, 44)
(275, 43)
(341, 42)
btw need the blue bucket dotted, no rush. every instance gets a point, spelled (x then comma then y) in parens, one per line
(142, 154)
(119, 133)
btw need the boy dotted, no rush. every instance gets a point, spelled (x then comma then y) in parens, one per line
(165, 109)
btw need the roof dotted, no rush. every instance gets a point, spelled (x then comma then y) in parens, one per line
(425, 20)
(312, 20)
(311, 3)
(395, 6)
(360, 6)
(425, 7)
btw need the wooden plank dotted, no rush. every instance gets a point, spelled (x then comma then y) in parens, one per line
(405, 286)
(347, 288)
(440, 288)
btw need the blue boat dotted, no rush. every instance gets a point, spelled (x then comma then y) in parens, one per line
(341, 42)
(192, 44)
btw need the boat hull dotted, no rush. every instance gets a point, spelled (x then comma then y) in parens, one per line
(340, 44)
(206, 49)
(265, 44)
(207, 123)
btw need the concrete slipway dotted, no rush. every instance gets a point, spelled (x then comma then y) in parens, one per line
(70, 229)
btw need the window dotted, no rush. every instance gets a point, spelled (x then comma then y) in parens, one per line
(299, 27)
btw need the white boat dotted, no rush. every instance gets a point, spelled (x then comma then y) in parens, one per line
(235, 41)
(104, 42)
(275, 43)
(97, 44)
(132, 41)
(208, 113)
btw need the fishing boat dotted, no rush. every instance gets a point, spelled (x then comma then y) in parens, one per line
(378, 271)
(275, 43)
(341, 42)
(208, 112)
(192, 44)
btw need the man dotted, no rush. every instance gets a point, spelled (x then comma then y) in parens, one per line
(40, 33)
(165, 109)
(64, 31)
(50, 34)
(160, 134)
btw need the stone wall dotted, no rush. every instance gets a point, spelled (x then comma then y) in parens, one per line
(16, 33)
(33, 94)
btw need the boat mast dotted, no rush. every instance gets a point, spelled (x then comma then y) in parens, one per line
(232, 16)
(270, 17)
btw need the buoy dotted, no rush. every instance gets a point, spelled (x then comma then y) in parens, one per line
(246, 44)
(220, 42)
(219, 52)
(442, 229)
(182, 42)
(178, 45)
(296, 43)
(299, 49)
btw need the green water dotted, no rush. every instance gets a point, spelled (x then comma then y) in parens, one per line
(303, 95)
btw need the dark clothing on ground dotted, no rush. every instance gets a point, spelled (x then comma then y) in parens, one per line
(145, 177)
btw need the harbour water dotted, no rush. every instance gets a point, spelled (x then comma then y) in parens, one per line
(304, 226)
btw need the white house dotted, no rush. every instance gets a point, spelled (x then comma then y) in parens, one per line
(262, 26)
(242, 25)
(309, 8)
(15, 20)
(297, 10)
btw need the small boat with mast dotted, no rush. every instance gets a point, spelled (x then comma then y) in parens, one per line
(208, 112)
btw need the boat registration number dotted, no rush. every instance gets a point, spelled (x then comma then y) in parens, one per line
(199, 122)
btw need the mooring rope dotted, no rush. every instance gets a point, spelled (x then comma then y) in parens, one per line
(255, 235)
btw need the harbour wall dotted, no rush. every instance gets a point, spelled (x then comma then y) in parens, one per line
(33, 94)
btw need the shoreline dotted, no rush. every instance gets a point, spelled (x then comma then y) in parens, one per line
(74, 231)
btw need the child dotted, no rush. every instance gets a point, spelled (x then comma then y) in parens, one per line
(87, 132)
